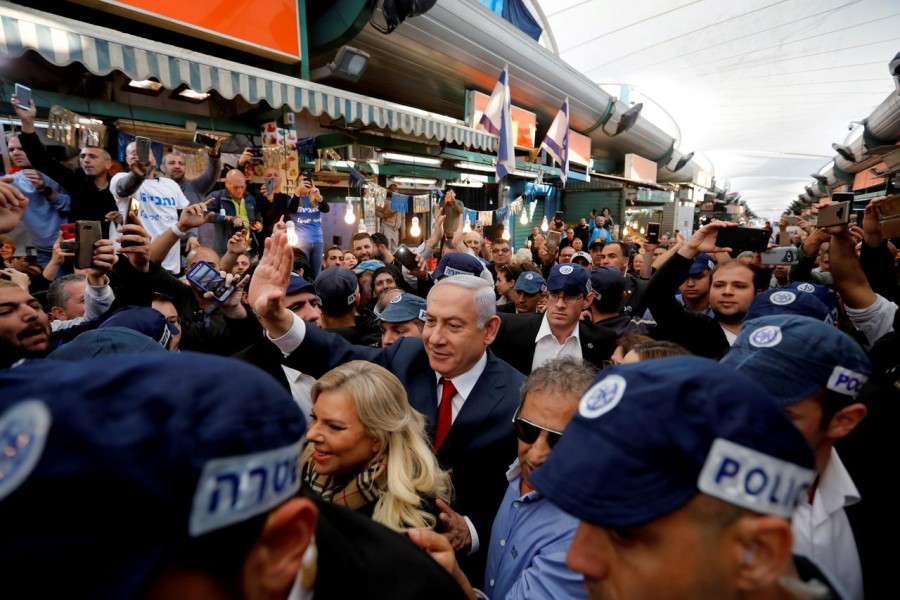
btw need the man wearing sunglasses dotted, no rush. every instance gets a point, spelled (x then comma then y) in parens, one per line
(531, 536)
(527, 341)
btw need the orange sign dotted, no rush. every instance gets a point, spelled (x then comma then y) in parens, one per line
(524, 122)
(579, 149)
(267, 27)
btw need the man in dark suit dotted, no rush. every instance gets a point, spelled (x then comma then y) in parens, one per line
(479, 393)
(526, 341)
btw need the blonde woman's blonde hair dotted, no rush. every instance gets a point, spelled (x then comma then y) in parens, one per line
(413, 472)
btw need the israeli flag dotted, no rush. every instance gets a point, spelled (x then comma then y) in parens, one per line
(556, 142)
(497, 119)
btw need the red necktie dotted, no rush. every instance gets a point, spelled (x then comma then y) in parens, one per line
(445, 414)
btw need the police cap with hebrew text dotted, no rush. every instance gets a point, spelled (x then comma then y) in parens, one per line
(117, 465)
(648, 437)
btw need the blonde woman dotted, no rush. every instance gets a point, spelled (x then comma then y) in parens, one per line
(367, 449)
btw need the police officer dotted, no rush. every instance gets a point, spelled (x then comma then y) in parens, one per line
(683, 474)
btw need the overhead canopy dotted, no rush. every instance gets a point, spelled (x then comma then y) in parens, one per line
(759, 88)
(62, 41)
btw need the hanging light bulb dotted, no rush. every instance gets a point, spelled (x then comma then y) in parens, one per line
(505, 234)
(414, 229)
(362, 226)
(524, 218)
(349, 216)
(641, 230)
(291, 232)
(544, 225)
(467, 226)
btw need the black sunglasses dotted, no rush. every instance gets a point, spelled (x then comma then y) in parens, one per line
(528, 432)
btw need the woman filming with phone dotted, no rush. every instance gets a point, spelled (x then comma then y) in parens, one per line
(307, 207)
(367, 449)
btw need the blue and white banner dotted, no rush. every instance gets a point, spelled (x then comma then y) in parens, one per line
(556, 142)
(497, 118)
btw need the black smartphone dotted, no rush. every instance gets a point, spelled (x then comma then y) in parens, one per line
(207, 278)
(142, 148)
(31, 254)
(834, 214)
(23, 95)
(787, 255)
(206, 140)
(653, 233)
(406, 257)
(741, 239)
(87, 233)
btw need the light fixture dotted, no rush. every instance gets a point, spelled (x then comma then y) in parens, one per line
(628, 119)
(641, 230)
(544, 225)
(147, 87)
(349, 216)
(524, 218)
(505, 234)
(414, 229)
(291, 231)
(467, 226)
(466, 184)
(470, 166)
(409, 158)
(349, 63)
(845, 152)
(414, 180)
(362, 226)
(186, 94)
(684, 160)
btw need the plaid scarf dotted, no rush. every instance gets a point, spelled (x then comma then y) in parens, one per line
(354, 493)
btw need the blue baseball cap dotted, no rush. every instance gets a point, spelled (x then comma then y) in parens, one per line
(702, 262)
(794, 357)
(105, 341)
(145, 320)
(402, 308)
(825, 294)
(458, 263)
(196, 465)
(608, 285)
(298, 284)
(650, 436)
(368, 265)
(336, 288)
(781, 301)
(530, 283)
(573, 279)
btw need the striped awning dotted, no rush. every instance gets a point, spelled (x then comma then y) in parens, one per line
(62, 41)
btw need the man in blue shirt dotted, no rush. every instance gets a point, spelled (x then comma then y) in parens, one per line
(530, 536)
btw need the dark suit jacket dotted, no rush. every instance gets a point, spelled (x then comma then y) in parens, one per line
(515, 341)
(358, 558)
(481, 444)
(265, 355)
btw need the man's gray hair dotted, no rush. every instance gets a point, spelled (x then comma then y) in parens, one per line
(565, 376)
(485, 300)
(57, 294)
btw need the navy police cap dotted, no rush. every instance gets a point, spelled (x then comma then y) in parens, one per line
(650, 436)
(109, 465)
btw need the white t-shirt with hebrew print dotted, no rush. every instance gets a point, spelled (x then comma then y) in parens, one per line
(161, 199)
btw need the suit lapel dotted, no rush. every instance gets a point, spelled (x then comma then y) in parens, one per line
(487, 393)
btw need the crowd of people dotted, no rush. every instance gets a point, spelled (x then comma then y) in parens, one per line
(601, 417)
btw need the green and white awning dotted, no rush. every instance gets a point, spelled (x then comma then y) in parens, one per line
(62, 41)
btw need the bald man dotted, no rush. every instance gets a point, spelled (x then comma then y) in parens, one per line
(233, 209)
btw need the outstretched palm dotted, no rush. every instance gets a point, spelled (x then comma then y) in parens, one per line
(271, 277)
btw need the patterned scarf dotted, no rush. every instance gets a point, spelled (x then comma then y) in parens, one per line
(354, 493)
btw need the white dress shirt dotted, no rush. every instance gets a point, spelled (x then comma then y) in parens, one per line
(301, 385)
(547, 347)
(822, 530)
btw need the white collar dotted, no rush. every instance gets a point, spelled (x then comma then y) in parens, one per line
(465, 383)
(544, 331)
(836, 489)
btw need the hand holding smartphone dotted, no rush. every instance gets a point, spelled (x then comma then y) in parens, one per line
(406, 257)
(23, 95)
(87, 234)
(653, 233)
(207, 278)
(206, 140)
(741, 239)
(142, 148)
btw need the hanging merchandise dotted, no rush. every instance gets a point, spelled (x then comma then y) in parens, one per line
(420, 203)
(400, 202)
(486, 217)
(71, 129)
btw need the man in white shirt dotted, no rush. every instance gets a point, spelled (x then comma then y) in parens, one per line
(815, 371)
(161, 200)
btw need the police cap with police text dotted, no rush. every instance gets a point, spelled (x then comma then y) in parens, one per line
(648, 437)
(794, 357)
(337, 288)
(112, 465)
(458, 263)
(570, 278)
(403, 308)
(781, 301)
(530, 283)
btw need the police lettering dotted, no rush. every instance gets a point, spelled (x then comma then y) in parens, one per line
(760, 482)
